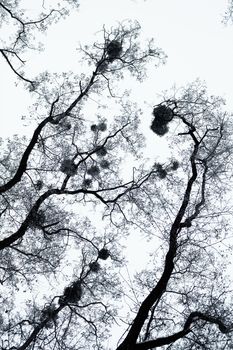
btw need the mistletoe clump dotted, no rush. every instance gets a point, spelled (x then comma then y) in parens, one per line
(71, 294)
(93, 170)
(101, 151)
(94, 266)
(103, 254)
(162, 116)
(68, 167)
(104, 164)
(37, 219)
(162, 173)
(87, 183)
(113, 49)
(102, 126)
(39, 185)
(94, 127)
(49, 315)
(175, 165)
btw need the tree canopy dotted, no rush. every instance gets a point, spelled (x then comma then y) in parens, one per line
(80, 184)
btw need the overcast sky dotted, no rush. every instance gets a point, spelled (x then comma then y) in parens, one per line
(191, 33)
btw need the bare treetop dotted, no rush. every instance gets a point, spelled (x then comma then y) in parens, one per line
(79, 186)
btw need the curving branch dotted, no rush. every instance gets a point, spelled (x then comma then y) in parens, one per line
(196, 315)
(21, 34)
(193, 317)
(157, 343)
(24, 24)
(197, 209)
(38, 328)
(3, 52)
(127, 187)
(72, 304)
(157, 292)
(23, 163)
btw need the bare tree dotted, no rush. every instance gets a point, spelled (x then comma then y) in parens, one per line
(59, 268)
(69, 162)
(23, 30)
(186, 301)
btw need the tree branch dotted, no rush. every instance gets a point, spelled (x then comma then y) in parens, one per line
(23, 163)
(14, 70)
(151, 344)
(157, 292)
(193, 317)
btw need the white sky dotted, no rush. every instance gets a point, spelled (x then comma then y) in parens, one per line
(190, 32)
